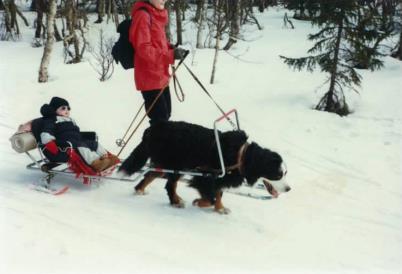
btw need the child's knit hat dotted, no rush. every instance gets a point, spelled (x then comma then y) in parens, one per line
(49, 110)
(57, 102)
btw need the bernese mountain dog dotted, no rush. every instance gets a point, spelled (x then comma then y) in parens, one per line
(183, 146)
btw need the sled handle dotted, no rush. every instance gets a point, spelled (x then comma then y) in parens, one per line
(226, 116)
(218, 143)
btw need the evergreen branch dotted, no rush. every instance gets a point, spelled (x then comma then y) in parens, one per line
(319, 45)
(300, 63)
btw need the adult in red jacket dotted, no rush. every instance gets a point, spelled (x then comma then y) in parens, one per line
(153, 56)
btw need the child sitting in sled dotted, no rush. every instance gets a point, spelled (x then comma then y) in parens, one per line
(59, 132)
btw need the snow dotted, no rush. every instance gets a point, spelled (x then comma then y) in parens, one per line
(343, 214)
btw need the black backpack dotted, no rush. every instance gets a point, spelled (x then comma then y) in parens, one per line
(123, 51)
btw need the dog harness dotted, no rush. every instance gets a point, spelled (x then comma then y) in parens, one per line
(239, 164)
(240, 160)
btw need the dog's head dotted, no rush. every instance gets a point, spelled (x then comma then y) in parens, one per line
(266, 164)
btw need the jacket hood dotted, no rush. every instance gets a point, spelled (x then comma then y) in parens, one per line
(159, 15)
(47, 111)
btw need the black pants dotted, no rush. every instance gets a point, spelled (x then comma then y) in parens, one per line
(162, 108)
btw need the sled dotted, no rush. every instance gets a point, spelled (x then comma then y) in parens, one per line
(24, 142)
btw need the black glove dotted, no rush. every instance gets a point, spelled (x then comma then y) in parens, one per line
(63, 144)
(179, 53)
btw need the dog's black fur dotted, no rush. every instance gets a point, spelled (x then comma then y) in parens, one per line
(184, 146)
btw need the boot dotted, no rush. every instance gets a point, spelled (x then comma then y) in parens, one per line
(101, 164)
(109, 161)
(114, 158)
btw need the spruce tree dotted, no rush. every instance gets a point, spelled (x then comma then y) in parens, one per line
(304, 9)
(333, 52)
(372, 26)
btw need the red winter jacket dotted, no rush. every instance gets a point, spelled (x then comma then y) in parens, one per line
(153, 53)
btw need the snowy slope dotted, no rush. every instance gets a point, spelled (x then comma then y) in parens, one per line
(343, 214)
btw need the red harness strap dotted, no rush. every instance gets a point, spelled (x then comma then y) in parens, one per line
(79, 167)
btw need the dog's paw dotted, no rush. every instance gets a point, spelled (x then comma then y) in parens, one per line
(179, 204)
(139, 192)
(222, 210)
(202, 203)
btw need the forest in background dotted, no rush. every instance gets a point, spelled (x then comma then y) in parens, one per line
(351, 34)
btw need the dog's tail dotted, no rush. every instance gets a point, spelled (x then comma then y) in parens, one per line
(136, 160)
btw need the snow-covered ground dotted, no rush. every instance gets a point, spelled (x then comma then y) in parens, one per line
(343, 215)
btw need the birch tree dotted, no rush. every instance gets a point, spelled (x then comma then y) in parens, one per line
(12, 29)
(75, 22)
(179, 27)
(201, 18)
(234, 18)
(168, 28)
(101, 9)
(219, 19)
(47, 51)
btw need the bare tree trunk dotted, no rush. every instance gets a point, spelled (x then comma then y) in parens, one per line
(261, 5)
(179, 28)
(183, 6)
(234, 24)
(32, 7)
(10, 17)
(57, 35)
(13, 9)
(47, 51)
(115, 14)
(168, 25)
(200, 6)
(101, 10)
(108, 10)
(211, 24)
(22, 16)
(201, 22)
(72, 26)
(40, 8)
(39, 19)
(398, 53)
(219, 22)
(215, 60)
(287, 21)
(399, 56)
(7, 23)
(253, 18)
(126, 6)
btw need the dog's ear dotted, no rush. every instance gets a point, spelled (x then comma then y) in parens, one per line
(261, 162)
(251, 163)
(244, 135)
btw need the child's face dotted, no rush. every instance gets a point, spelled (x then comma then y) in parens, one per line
(159, 4)
(63, 111)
